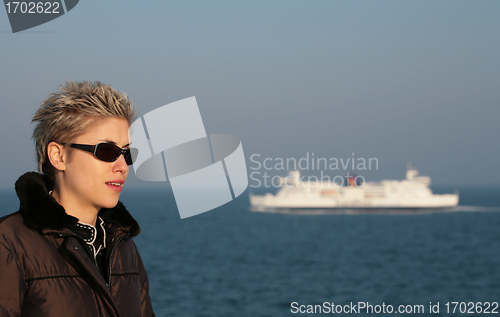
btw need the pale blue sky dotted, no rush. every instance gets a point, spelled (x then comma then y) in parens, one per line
(397, 80)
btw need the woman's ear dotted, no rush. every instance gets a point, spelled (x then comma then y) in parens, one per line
(57, 155)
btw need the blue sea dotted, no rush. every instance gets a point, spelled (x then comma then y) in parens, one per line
(234, 262)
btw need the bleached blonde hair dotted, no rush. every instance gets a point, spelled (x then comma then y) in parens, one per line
(70, 111)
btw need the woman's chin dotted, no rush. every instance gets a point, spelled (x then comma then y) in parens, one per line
(110, 203)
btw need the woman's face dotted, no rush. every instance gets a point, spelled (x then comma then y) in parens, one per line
(89, 180)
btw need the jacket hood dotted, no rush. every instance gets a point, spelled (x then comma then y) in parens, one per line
(41, 211)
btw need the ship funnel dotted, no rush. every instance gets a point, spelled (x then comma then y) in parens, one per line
(295, 176)
(411, 173)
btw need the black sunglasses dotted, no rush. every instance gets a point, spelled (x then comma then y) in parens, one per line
(107, 152)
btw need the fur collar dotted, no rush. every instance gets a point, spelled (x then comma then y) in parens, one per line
(41, 211)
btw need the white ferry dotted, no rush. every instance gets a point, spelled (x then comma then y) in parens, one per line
(413, 192)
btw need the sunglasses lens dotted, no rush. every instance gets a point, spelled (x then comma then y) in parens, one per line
(131, 156)
(107, 152)
(110, 153)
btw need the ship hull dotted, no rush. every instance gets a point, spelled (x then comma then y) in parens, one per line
(304, 202)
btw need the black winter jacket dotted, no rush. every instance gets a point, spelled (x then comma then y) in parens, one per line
(46, 272)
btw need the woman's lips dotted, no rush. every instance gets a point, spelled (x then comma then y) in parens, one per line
(116, 185)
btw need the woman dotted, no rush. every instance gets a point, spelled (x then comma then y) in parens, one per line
(68, 250)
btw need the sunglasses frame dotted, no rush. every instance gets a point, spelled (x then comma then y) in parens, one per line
(95, 149)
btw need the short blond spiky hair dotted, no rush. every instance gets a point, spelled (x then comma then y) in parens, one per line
(67, 113)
